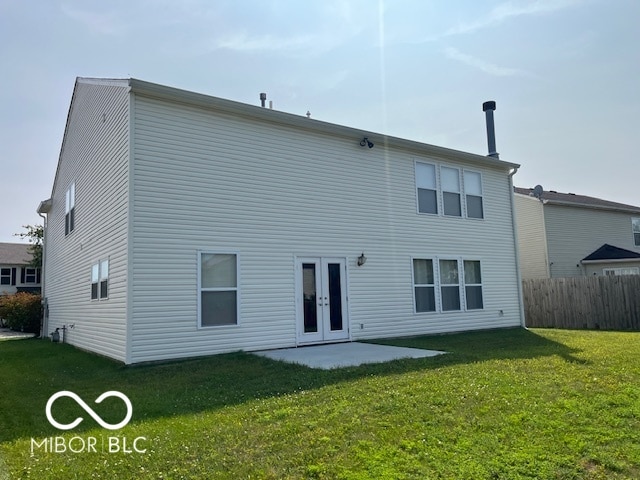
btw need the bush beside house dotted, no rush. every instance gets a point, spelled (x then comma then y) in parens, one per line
(21, 311)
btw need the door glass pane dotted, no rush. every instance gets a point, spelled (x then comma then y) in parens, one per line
(335, 296)
(309, 293)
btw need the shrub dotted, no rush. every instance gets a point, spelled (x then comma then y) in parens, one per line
(22, 311)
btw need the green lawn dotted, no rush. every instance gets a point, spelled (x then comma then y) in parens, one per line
(513, 404)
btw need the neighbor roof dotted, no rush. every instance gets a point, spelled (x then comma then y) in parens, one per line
(14, 254)
(610, 252)
(572, 199)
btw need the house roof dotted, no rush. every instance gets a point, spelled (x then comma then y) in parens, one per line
(14, 254)
(571, 199)
(610, 252)
(298, 121)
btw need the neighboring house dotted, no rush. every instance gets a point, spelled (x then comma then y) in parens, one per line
(569, 235)
(182, 224)
(16, 272)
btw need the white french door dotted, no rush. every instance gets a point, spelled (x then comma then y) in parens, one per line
(321, 299)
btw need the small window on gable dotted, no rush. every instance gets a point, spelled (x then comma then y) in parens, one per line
(100, 280)
(70, 210)
(427, 190)
(635, 223)
(473, 194)
(450, 181)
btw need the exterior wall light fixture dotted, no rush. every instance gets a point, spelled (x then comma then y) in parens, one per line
(361, 260)
(367, 142)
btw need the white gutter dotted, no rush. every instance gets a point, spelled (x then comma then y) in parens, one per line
(516, 247)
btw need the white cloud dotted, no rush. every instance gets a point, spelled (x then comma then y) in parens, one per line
(508, 10)
(483, 65)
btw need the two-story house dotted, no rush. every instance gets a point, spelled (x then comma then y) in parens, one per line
(569, 235)
(16, 272)
(182, 224)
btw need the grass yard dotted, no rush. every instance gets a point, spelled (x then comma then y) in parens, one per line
(513, 404)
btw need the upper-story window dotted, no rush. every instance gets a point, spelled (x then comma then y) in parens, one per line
(450, 178)
(70, 209)
(635, 223)
(427, 189)
(473, 194)
(441, 189)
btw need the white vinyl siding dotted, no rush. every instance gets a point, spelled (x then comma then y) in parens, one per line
(211, 181)
(94, 158)
(575, 232)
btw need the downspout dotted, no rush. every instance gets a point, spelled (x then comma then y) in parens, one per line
(45, 309)
(516, 247)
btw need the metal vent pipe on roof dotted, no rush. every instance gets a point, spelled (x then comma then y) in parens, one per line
(488, 108)
(263, 98)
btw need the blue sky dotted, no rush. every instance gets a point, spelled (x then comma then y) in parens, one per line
(565, 75)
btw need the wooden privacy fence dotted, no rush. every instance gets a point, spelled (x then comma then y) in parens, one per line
(607, 302)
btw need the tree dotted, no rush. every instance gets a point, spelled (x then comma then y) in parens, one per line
(35, 235)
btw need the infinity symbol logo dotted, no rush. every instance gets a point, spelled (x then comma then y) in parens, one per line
(87, 408)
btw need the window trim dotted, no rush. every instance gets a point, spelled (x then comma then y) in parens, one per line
(634, 221)
(437, 187)
(416, 285)
(217, 289)
(100, 279)
(438, 284)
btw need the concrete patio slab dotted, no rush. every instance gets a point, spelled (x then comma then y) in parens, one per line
(349, 354)
(6, 334)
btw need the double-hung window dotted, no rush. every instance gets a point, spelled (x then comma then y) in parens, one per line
(450, 178)
(447, 285)
(441, 189)
(218, 289)
(5, 276)
(424, 285)
(31, 275)
(472, 285)
(70, 210)
(635, 225)
(473, 194)
(426, 186)
(100, 280)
